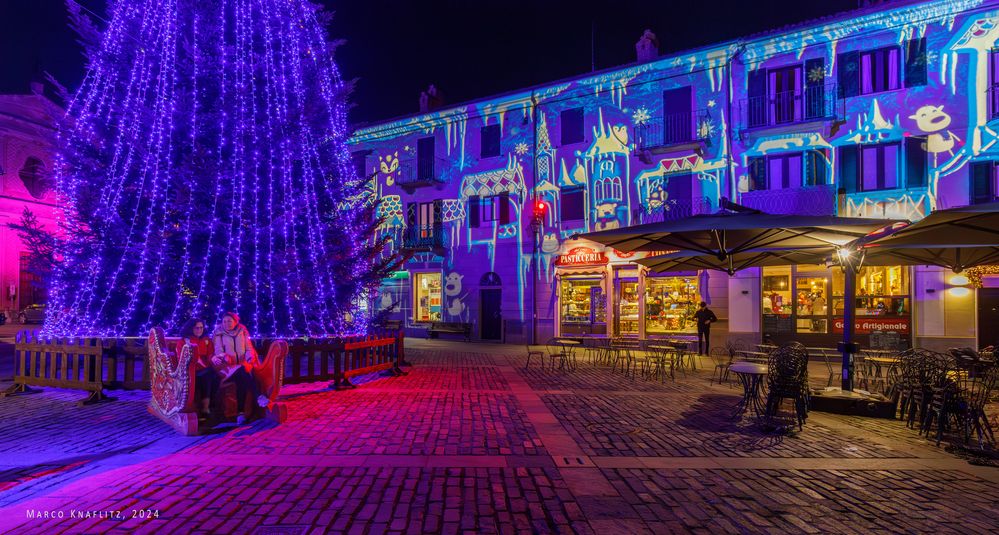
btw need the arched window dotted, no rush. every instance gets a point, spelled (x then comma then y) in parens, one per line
(34, 177)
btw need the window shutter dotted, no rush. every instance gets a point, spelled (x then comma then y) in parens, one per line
(848, 73)
(489, 141)
(981, 182)
(504, 208)
(915, 62)
(848, 167)
(915, 162)
(815, 168)
(757, 98)
(474, 204)
(572, 126)
(438, 212)
(757, 173)
(412, 229)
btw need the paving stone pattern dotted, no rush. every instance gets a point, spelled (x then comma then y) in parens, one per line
(472, 442)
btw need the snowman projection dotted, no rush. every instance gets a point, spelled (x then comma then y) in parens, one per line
(933, 120)
(452, 290)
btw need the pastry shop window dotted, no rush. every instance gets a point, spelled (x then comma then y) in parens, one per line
(811, 301)
(670, 303)
(583, 306)
(778, 300)
(427, 290)
(881, 291)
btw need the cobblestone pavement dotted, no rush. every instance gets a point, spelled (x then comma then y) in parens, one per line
(471, 442)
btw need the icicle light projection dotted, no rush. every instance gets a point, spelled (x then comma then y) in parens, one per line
(204, 169)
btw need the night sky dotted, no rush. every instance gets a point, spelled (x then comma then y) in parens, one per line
(469, 49)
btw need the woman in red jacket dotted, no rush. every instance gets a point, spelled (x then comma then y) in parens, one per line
(206, 378)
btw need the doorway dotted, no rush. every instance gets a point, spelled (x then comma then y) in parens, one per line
(491, 320)
(988, 316)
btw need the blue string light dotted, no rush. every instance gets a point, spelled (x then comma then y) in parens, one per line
(203, 168)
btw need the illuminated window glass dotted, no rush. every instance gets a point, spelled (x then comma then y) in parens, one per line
(427, 297)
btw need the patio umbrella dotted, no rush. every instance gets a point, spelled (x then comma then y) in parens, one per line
(689, 260)
(958, 238)
(723, 234)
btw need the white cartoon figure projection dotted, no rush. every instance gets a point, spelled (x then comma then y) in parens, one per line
(386, 300)
(389, 166)
(549, 245)
(452, 289)
(934, 121)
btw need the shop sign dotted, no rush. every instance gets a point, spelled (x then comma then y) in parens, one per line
(581, 256)
(869, 325)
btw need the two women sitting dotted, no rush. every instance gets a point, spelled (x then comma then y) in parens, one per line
(227, 356)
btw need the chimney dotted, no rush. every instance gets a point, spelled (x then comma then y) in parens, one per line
(647, 47)
(431, 99)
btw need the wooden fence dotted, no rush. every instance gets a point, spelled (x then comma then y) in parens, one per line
(95, 364)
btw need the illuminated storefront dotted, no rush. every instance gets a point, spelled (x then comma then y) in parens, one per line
(806, 303)
(427, 297)
(606, 293)
(670, 303)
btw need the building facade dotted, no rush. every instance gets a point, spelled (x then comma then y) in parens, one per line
(889, 111)
(26, 162)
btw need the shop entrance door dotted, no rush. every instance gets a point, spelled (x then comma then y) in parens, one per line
(491, 321)
(626, 298)
(988, 316)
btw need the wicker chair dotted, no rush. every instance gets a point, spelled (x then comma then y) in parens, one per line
(788, 379)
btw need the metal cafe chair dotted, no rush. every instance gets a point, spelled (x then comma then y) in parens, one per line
(535, 353)
(722, 359)
(826, 355)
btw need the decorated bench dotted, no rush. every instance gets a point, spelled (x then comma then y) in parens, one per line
(437, 327)
(172, 383)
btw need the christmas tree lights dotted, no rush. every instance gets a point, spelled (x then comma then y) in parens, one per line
(203, 168)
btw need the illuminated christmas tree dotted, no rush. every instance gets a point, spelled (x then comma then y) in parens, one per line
(204, 168)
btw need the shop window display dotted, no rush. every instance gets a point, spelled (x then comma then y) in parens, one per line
(881, 291)
(583, 306)
(670, 304)
(627, 311)
(427, 288)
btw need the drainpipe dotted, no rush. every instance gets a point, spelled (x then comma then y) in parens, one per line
(535, 226)
(733, 183)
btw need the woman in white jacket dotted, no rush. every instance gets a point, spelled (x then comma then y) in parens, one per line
(234, 358)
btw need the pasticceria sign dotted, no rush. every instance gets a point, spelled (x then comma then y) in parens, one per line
(581, 256)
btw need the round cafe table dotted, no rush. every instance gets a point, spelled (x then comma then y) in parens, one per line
(567, 355)
(751, 376)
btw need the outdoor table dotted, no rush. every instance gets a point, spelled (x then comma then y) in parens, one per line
(664, 355)
(751, 376)
(567, 356)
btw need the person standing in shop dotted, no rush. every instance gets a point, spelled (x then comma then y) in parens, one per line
(705, 317)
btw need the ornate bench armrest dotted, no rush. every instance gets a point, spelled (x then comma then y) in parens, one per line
(171, 383)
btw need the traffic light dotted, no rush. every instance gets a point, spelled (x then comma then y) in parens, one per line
(540, 209)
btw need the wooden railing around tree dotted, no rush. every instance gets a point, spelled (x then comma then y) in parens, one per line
(96, 364)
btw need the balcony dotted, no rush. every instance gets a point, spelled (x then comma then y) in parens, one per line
(673, 129)
(417, 173)
(425, 238)
(674, 210)
(808, 200)
(815, 103)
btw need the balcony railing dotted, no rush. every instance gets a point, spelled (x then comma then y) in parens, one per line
(673, 129)
(423, 172)
(674, 210)
(808, 200)
(424, 237)
(815, 103)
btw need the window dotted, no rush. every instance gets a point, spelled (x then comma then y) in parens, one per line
(425, 219)
(993, 88)
(677, 118)
(879, 167)
(881, 291)
(489, 209)
(425, 158)
(33, 176)
(670, 303)
(427, 297)
(489, 141)
(983, 182)
(359, 161)
(571, 121)
(879, 70)
(783, 171)
(573, 205)
(784, 94)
